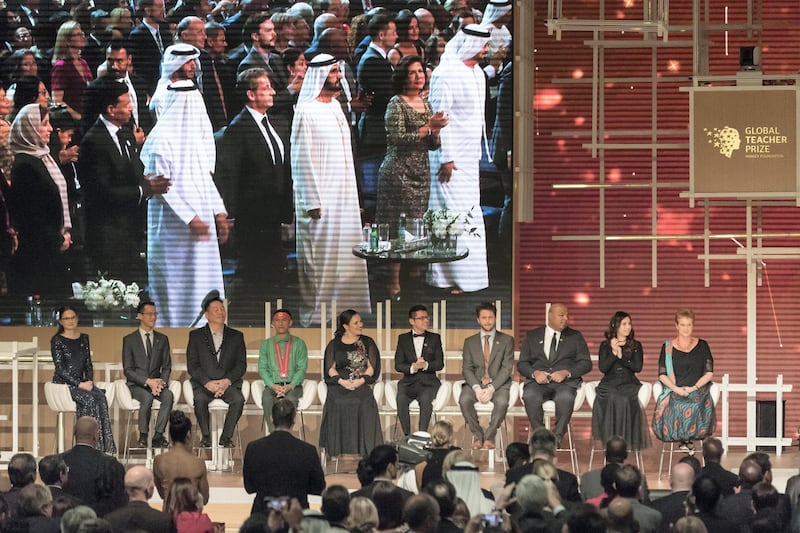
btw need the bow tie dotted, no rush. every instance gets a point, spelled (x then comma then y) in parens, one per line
(415, 335)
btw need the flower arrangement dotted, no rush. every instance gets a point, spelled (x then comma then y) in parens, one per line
(444, 222)
(106, 294)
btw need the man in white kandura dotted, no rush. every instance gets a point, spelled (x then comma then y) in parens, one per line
(325, 196)
(458, 88)
(186, 225)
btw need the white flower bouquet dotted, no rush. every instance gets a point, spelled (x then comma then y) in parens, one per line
(106, 294)
(443, 222)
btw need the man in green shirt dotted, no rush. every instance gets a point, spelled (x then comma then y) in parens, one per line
(282, 364)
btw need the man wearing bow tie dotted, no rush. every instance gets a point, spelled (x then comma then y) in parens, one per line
(553, 359)
(487, 366)
(418, 356)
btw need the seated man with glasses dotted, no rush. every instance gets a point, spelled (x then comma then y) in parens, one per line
(147, 362)
(418, 357)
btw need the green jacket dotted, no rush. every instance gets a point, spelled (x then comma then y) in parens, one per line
(268, 361)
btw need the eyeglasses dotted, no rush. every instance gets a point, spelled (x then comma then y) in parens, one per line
(426, 317)
(73, 317)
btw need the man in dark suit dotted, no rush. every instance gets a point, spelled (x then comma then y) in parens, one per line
(216, 359)
(94, 478)
(114, 185)
(21, 473)
(487, 366)
(704, 504)
(553, 359)
(712, 455)
(254, 178)
(280, 464)
(147, 363)
(118, 63)
(543, 446)
(673, 506)
(418, 357)
(616, 452)
(628, 484)
(138, 514)
(445, 495)
(54, 473)
(94, 50)
(148, 41)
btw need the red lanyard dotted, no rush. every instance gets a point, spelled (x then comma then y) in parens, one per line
(283, 359)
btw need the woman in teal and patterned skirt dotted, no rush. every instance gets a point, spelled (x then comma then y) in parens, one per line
(684, 410)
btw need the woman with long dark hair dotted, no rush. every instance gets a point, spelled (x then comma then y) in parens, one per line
(350, 421)
(616, 410)
(73, 361)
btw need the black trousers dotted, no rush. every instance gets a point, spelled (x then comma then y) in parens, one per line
(233, 397)
(424, 393)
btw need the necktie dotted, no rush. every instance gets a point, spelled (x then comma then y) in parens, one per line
(148, 345)
(276, 152)
(219, 89)
(123, 143)
(553, 346)
(487, 351)
(159, 42)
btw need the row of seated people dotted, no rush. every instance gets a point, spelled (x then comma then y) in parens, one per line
(216, 363)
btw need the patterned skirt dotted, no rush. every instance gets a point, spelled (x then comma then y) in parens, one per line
(677, 418)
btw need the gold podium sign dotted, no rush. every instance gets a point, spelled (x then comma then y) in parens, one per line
(744, 142)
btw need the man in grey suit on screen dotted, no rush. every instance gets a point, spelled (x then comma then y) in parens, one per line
(487, 365)
(147, 362)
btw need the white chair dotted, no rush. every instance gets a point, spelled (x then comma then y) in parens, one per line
(216, 411)
(322, 393)
(305, 401)
(439, 402)
(658, 388)
(127, 402)
(60, 400)
(644, 394)
(486, 409)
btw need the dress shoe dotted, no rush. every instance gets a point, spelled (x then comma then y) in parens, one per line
(205, 442)
(159, 441)
(142, 442)
(226, 442)
(476, 445)
(488, 444)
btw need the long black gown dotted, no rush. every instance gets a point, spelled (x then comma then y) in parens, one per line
(73, 362)
(350, 421)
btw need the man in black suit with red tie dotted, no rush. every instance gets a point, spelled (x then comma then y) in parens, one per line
(254, 178)
(418, 357)
(553, 359)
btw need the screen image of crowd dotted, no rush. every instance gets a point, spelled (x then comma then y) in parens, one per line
(247, 148)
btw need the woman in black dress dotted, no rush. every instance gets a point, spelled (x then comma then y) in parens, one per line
(350, 421)
(73, 361)
(616, 409)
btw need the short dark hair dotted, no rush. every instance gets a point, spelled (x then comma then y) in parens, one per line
(283, 413)
(118, 44)
(415, 308)
(251, 26)
(616, 449)
(335, 503)
(485, 306)
(22, 469)
(376, 463)
(706, 492)
(400, 74)
(290, 55)
(107, 92)
(584, 518)
(378, 23)
(256, 523)
(765, 495)
(444, 493)
(627, 481)
(51, 467)
(517, 453)
(143, 304)
(712, 450)
(213, 29)
(543, 440)
(418, 509)
(247, 80)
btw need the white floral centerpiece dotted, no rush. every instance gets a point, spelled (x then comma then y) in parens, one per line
(106, 294)
(445, 226)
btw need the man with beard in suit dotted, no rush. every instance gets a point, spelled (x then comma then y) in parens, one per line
(418, 357)
(147, 362)
(216, 358)
(114, 185)
(254, 177)
(553, 359)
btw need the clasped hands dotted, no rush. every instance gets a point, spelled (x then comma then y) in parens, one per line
(541, 377)
(419, 364)
(351, 384)
(282, 390)
(156, 385)
(484, 394)
(218, 386)
(86, 385)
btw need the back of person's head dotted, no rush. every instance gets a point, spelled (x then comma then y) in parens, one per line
(584, 518)
(335, 503)
(706, 493)
(627, 481)
(139, 482)
(363, 516)
(608, 476)
(256, 523)
(456, 456)
(34, 500)
(96, 525)
(182, 496)
(694, 462)
(616, 450)
(689, 524)
(750, 473)
(180, 427)
(51, 468)
(543, 442)
(421, 512)
(442, 434)
(620, 515)
(72, 519)
(283, 413)
(378, 23)
(27, 91)
(764, 524)
(762, 459)
(389, 501)
(765, 496)
(682, 477)
(86, 430)
(531, 493)
(376, 463)
(445, 495)
(712, 450)
(22, 470)
(517, 454)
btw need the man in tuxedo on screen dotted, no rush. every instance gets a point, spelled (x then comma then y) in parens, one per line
(487, 366)
(553, 359)
(418, 357)
(147, 362)
(216, 358)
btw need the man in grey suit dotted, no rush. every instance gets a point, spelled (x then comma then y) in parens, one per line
(147, 362)
(553, 359)
(487, 365)
(628, 483)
